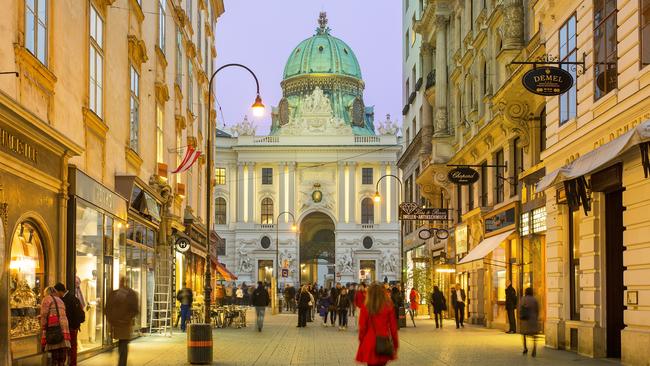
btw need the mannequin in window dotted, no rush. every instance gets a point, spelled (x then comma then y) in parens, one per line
(89, 292)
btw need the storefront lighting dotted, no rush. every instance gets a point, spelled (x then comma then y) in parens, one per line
(23, 263)
(294, 228)
(445, 270)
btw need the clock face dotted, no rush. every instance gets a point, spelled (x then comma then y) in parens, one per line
(317, 196)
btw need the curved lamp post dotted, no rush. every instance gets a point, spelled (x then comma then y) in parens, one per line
(401, 227)
(258, 110)
(294, 228)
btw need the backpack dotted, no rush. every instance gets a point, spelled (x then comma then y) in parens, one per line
(79, 312)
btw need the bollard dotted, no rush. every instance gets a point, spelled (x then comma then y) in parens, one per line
(199, 343)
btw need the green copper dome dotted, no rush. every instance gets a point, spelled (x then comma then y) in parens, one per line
(322, 53)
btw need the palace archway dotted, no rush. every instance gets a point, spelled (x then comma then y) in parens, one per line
(317, 249)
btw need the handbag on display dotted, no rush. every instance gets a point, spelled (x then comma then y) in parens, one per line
(383, 344)
(53, 333)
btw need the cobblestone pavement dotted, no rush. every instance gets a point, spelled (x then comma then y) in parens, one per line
(281, 343)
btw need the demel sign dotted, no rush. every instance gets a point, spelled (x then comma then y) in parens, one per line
(547, 81)
(463, 175)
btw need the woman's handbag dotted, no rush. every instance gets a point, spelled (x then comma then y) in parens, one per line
(53, 333)
(383, 344)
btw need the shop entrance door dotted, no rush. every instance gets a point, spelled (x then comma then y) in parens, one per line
(108, 288)
(614, 291)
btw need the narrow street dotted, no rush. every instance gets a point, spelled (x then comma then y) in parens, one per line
(281, 343)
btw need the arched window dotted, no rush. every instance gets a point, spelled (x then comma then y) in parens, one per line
(220, 210)
(367, 211)
(267, 211)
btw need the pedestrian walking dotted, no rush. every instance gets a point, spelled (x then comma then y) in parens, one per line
(360, 296)
(324, 303)
(239, 296)
(414, 302)
(378, 340)
(396, 298)
(343, 306)
(351, 294)
(511, 305)
(529, 314)
(121, 309)
(75, 314)
(186, 298)
(55, 333)
(439, 304)
(458, 302)
(247, 298)
(260, 300)
(229, 294)
(304, 302)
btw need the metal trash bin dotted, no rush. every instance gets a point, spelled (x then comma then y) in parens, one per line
(199, 343)
(401, 323)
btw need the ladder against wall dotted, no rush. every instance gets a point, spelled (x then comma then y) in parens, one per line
(163, 299)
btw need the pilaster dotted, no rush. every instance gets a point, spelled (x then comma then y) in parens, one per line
(341, 191)
(240, 191)
(352, 171)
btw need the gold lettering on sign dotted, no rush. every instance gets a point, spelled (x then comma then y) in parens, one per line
(17, 146)
(621, 130)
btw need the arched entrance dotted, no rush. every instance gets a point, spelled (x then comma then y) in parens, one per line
(317, 249)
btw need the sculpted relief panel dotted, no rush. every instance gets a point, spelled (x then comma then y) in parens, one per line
(315, 117)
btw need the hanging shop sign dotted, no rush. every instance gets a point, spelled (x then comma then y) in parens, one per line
(463, 175)
(547, 81)
(411, 211)
(182, 244)
(461, 239)
(441, 234)
(500, 221)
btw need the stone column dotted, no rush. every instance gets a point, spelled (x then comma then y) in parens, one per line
(251, 191)
(383, 191)
(240, 191)
(292, 188)
(427, 113)
(341, 193)
(442, 126)
(513, 31)
(281, 192)
(352, 167)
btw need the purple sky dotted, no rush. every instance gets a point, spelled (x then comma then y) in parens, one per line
(262, 33)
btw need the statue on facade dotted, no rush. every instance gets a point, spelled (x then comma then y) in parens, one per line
(389, 263)
(244, 128)
(344, 262)
(245, 264)
(388, 127)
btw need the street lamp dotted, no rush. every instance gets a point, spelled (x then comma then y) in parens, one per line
(258, 110)
(294, 228)
(401, 228)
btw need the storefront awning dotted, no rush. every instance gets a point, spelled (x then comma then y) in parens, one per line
(223, 271)
(485, 247)
(602, 157)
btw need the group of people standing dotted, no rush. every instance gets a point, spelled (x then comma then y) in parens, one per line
(62, 314)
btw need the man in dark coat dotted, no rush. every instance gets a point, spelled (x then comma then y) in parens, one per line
(121, 308)
(260, 300)
(186, 297)
(511, 305)
(458, 302)
(75, 314)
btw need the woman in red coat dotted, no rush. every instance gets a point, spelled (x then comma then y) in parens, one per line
(414, 301)
(376, 319)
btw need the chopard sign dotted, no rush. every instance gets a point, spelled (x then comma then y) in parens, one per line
(463, 175)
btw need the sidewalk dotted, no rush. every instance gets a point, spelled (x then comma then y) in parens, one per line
(281, 343)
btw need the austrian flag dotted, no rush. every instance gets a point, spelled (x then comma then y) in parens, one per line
(191, 156)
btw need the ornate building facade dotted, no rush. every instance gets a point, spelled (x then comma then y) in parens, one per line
(315, 172)
(106, 97)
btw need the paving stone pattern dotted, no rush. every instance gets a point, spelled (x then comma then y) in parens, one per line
(281, 343)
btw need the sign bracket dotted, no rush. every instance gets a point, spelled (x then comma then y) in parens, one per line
(553, 60)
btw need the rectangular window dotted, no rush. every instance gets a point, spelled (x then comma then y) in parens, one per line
(199, 27)
(208, 51)
(484, 184)
(160, 134)
(96, 63)
(199, 119)
(220, 176)
(161, 24)
(645, 32)
(267, 175)
(498, 177)
(36, 13)
(179, 59)
(406, 45)
(134, 125)
(574, 263)
(188, 8)
(179, 153)
(568, 52)
(517, 164)
(367, 176)
(190, 87)
(605, 44)
(221, 247)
